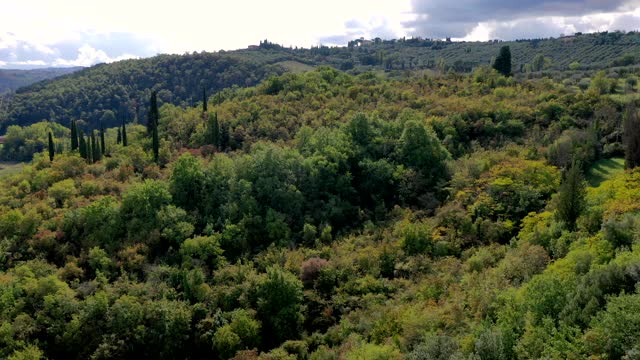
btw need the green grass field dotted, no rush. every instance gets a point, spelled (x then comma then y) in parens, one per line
(10, 168)
(295, 66)
(603, 170)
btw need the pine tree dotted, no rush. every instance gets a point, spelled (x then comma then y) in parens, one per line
(124, 133)
(213, 130)
(503, 62)
(156, 144)
(83, 146)
(204, 100)
(154, 115)
(119, 138)
(631, 137)
(571, 198)
(52, 150)
(74, 135)
(103, 147)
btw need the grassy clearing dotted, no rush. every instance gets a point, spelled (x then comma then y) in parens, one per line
(10, 168)
(603, 170)
(295, 66)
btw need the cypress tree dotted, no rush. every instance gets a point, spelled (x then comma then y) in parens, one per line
(124, 134)
(156, 144)
(83, 146)
(103, 147)
(204, 100)
(631, 137)
(74, 135)
(503, 62)
(52, 150)
(224, 137)
(119, 138)
(154, 115)
(571, 198)
(95, 148)
(89, 150)
(213, 130)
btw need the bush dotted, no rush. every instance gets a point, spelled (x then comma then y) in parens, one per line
(206, 249)
(310, 270)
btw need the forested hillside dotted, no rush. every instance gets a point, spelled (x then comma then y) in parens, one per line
(11, 79)
(121, 88)
(325, 215)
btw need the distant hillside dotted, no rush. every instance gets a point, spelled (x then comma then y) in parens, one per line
(12, 79)
(124, 87)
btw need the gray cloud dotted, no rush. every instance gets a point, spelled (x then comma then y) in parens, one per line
(523, 29)
(626, 22)
(442, 18)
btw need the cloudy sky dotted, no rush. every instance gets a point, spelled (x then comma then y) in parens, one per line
(39, 33)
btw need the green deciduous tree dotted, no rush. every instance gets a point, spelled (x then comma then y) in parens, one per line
(420, 149)
(280, 306)
(187, 181)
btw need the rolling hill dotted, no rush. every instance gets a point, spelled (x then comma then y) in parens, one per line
(124, 87)
(13, 79)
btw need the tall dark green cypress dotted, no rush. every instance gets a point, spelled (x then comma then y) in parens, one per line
(154, 115)
(74, 136)
(503, 62)
(224, 137)
(82, 143)
(95, 148)
(631, 137)
(119, 138)
(156, 145)
(213, 130)
(204, 100)
(124, 133)
(103, 147)
(52, 150)
(571, 198)
(89, 150)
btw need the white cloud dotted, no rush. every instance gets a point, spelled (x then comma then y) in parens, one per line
(88, 56)
(3, 63)
(29, 63)
(197, 25)
(108, 30)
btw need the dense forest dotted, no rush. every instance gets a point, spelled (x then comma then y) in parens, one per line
(122, 88)
(11, 79)
(328, 215)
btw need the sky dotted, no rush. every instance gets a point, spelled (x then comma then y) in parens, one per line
(61, 33)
